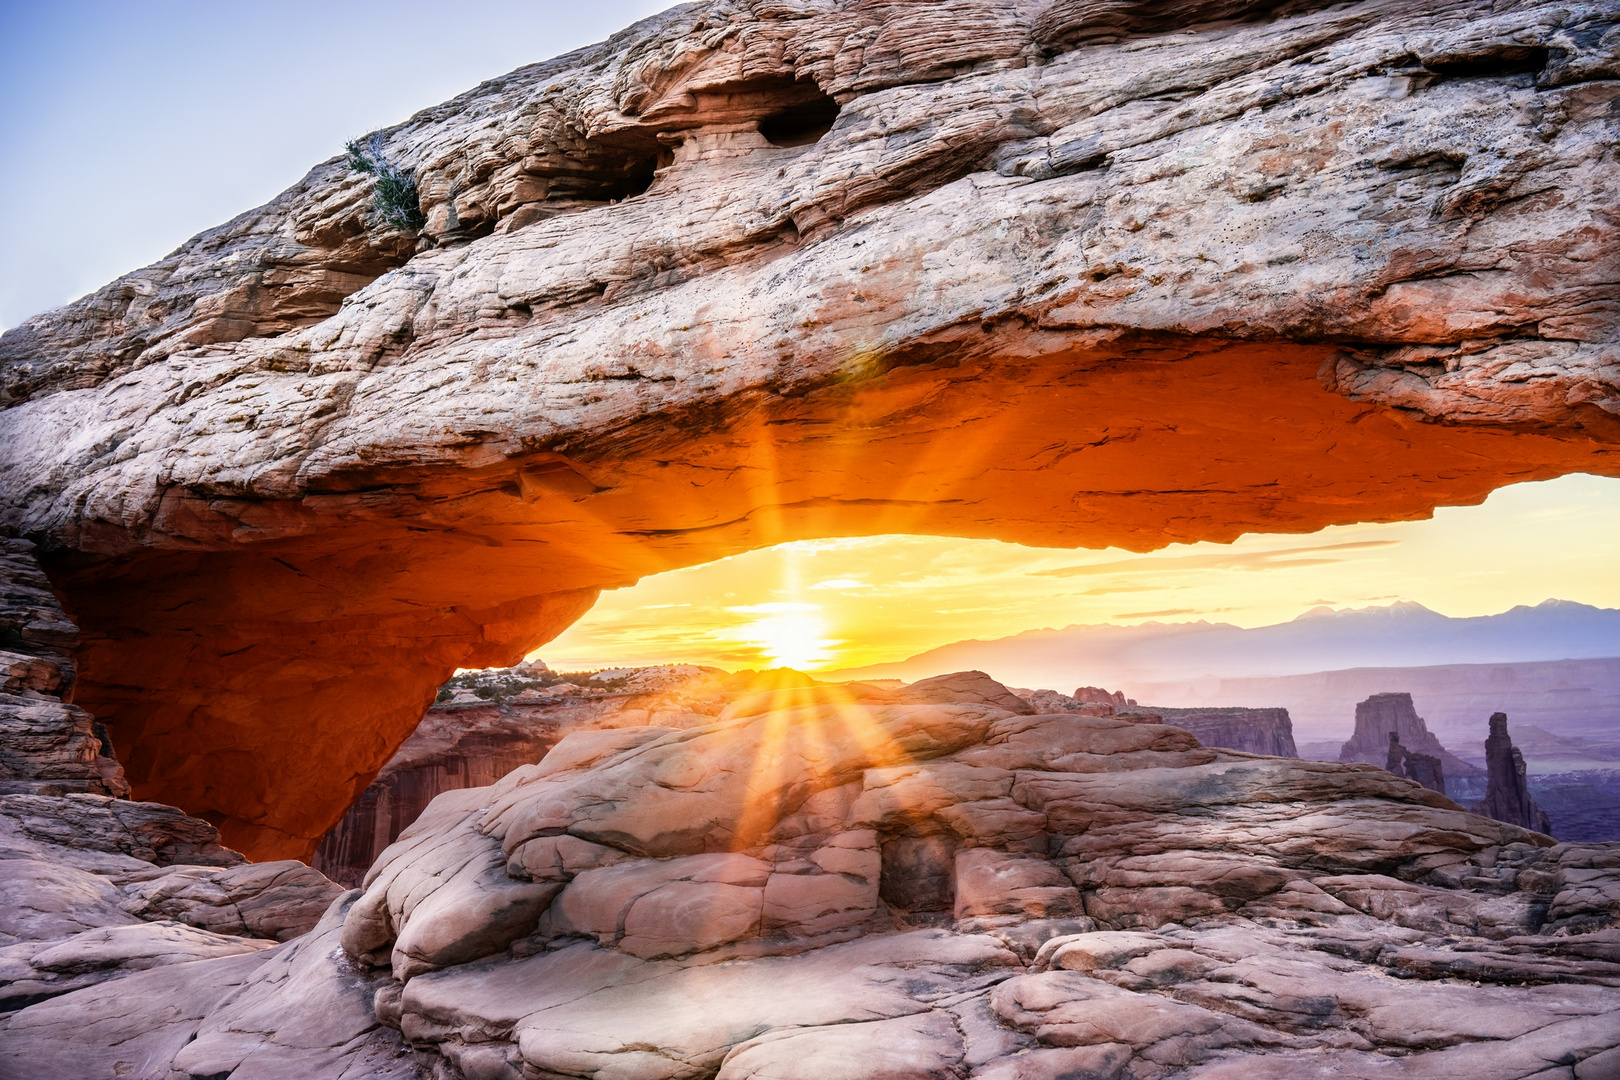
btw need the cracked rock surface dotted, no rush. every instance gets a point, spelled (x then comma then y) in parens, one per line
(1052, 271)
(887, 885)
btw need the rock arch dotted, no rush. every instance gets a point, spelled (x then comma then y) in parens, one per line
(1288, 268)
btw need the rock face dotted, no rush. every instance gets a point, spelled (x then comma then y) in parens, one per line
(125, 925)
(1098, 274)
(1383, 715)
(462, 745)
(1426, 769)
(1507, 792)
(821, 884)
(1254, 731)
(47, 747)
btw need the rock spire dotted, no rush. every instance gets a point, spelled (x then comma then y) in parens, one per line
(1507, 792)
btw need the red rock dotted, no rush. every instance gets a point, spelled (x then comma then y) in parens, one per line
(290, 477)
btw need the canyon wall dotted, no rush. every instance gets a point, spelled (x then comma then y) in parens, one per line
(1255, 731)
(464, 745)
(1057, 273)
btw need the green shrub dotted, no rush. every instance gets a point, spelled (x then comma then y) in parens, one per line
(395, 198)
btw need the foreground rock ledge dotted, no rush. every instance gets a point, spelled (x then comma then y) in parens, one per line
(1061, 273)
(815, 887)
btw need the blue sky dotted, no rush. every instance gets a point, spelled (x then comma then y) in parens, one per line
(129, 127)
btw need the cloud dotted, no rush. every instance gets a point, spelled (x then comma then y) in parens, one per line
(775, 607)
(1125, 588)
(1160, 614)
(1277, 558)
(841, 583)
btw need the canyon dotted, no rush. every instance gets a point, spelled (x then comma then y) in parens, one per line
(823, 881)
(467, 740)
(1008, 269)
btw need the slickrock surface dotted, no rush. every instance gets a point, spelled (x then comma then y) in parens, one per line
(92, 889)
(815, 887)
(1059, 272)
(1254, 731)
(460, 745)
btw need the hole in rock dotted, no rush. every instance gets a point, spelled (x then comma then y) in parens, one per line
(919, 873)
(801, 124)
(263, 684)
(1493, 62)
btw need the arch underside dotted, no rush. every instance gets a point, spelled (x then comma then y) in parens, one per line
(1068, 274)
(264, 685)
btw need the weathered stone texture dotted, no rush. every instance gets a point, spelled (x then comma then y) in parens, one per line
(869, 887)
(47, 747)
(461, 745)
(1061, 273)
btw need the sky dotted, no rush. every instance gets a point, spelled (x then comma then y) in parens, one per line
(128, 128)
(828, 604)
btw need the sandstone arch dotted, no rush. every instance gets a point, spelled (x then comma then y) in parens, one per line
(1043, 279)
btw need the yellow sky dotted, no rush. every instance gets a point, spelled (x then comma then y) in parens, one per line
(826, 604)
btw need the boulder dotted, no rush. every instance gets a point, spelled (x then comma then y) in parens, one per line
(877, 889)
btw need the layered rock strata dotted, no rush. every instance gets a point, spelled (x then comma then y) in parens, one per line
(1425, 769)
(47, 746)
(1507, 791)
(473, 744)
(1057, 272)
(815, 887)
(1383, 715)
(1254, 731)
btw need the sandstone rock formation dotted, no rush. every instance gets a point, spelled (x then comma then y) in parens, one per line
(473, 744)
(813, 886)
(1254, 731)
(1057, 272)
(1507, 792)
(1050, 701)
(1425, 769)
(133, 909)
(47, 747)
(1382, 715)
(94, 887)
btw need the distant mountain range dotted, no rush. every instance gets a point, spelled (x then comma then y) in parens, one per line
(1204, 663)
(1397, 635)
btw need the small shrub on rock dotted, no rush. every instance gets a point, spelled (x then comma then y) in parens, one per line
(395, 198)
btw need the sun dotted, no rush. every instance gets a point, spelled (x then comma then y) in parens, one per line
(790, 635)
